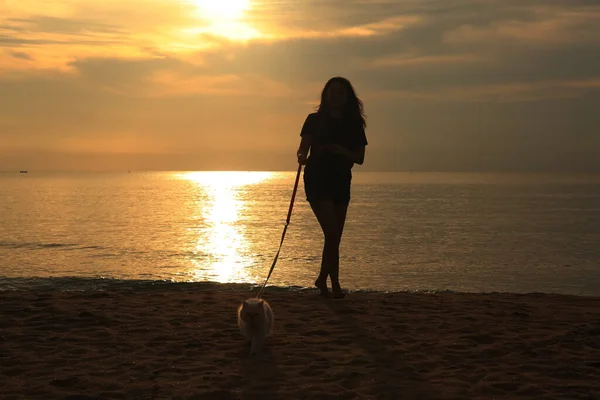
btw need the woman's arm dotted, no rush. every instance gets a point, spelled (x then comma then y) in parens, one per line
(307, 132)
(303, 149)
(355, 152)
(356, 155)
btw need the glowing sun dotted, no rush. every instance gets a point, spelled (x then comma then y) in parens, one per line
(221, 10)
(223, 18)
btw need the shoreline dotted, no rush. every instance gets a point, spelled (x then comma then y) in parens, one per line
(69, 284)
(177, 341)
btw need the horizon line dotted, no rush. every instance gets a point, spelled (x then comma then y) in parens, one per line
(515, 172)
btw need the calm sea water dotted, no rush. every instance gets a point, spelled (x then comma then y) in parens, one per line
(405, 231)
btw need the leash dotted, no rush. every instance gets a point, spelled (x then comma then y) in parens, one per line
(287, 222)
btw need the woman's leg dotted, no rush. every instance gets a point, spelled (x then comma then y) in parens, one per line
(331, 217)
(340, 213)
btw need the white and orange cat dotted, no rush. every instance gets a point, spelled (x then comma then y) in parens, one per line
(255, 319)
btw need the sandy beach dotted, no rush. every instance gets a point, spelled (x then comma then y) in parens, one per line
(181, 341)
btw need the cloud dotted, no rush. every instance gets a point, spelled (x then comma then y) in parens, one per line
(418, 61)
(154, 77)
(48, 24)
(498, 93)
(544, 26)
(20, 55)
(167, 77)
(69, 30)
(378, 28)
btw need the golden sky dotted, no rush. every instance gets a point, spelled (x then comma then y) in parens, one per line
(448, 85)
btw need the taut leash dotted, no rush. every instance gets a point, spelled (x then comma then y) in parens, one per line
(287, 222)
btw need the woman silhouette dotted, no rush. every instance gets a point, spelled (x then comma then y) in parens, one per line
(335, 137)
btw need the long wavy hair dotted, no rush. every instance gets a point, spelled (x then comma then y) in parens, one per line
(354, 109)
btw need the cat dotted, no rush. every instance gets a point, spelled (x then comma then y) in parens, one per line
(255, 320)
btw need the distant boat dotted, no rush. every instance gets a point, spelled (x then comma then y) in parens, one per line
(23, 172)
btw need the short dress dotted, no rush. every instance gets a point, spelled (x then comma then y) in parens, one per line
(329, 176)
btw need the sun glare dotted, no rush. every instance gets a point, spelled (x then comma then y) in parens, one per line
(221, 10)
(223, 18)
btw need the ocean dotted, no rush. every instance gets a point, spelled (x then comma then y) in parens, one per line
(405, 231)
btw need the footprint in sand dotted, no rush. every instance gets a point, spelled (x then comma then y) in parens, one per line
(291, 325)
(481, 339)
(342, 341)
(359, 361)
(66, 382)
(318, 332)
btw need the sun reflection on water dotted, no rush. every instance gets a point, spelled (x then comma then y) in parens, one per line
(223, 241)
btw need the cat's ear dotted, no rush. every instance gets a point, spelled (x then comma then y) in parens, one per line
(260, 303)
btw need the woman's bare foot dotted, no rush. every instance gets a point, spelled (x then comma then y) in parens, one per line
(337, 292)
(322, 286)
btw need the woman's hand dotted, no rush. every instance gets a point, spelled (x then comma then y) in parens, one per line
(302, 158)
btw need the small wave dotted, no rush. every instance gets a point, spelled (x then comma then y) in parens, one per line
(100, 284)
(35, 245)
(72, 283)
(68, 284)
(52, 245)
(107, 255)
(92, 248)
(77, 284)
